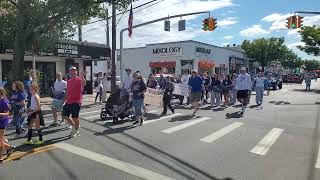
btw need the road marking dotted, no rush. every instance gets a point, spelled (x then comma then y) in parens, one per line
(162, 118)
(117, 164)
(318, 159)
(220, 133)
(152, 111)
(265, 144)
(89, 112)
(185, 125)
(19, 154)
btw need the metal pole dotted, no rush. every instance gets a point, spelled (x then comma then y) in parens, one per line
(107, 28)
(114, 43)
(306, 12)
(34, 78)
(146, 23)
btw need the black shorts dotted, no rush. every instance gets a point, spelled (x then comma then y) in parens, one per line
(71, 109)
(37, 114)
(242, 94)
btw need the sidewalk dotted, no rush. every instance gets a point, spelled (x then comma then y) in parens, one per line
(88, 101)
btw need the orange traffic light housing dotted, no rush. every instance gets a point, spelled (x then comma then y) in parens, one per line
(289, 19)
(212, 24)
(299, 21)
(205, 24)
(294, 22)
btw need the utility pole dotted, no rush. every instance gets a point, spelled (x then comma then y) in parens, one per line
(107, 28)
(114, 45)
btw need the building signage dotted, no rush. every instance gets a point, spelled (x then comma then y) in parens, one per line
(167, 51)
(67, 50)
(202, 52)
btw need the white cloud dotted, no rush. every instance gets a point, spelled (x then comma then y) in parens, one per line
(154, 33)
(228, 37)
(311, 20)
(227, 22)
(253, 31)
(294, 45)
(224, 44)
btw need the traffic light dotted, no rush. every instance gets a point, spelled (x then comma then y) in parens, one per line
(294, 22)
(212, 24)
(299, 23)
(289, 20)
(205, 25)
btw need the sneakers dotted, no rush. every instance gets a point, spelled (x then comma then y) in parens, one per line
(55, 123)
(136, 122)
(74, 133)
(194, 113)
(141, 121)
(38, 142)
(28, 142)
(10, 150)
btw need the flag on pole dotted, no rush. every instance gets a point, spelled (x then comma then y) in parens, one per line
(130, 22)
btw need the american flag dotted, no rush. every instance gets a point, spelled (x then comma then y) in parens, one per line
(130, 22)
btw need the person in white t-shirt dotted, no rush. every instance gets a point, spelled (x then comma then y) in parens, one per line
(105, 84)
(128, 79)
(260, 81)
(59, 91)
(99, 87)
(243, 87)
(185, 79)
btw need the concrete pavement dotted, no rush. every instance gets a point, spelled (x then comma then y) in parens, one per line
(280, 141)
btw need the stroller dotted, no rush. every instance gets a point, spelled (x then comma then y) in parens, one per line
(118, 105)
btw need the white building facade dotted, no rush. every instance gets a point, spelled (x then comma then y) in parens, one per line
(183, 56)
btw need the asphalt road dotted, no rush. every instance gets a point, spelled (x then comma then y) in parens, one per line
(278, 142)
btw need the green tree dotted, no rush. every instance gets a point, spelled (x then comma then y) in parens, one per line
(38, 21)
(311, 37)
(312, 64)
(266, 50)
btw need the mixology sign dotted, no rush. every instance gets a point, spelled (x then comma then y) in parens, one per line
(167, 51)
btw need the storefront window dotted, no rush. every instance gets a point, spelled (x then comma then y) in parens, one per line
(186, 66)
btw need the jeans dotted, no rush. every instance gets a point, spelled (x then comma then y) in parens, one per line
(137, 105)
(215, 98)
(233, 96)
(166, 105)
(18, 121)
(259, 94)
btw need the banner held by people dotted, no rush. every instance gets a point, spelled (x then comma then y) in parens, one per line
(181, 89)
(154, 97)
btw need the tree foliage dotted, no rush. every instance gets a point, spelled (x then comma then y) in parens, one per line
(312, 64)
(311, 37)
(273, 49)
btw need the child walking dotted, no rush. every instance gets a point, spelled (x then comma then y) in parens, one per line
(4, 122)
(34, 115)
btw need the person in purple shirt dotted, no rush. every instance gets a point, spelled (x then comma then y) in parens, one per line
(196, 88)
(4, 122)
(18, 107)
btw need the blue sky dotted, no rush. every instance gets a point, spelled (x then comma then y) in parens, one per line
(237, 20)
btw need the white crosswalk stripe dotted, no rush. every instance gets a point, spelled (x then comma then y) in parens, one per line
(117, 164)
(265, 144)
(220, 133)
(162, 118)
(185, 125)
(318, 159)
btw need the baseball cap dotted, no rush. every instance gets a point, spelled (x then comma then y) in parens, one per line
(72, 68)
(194, 71)
(243, 69)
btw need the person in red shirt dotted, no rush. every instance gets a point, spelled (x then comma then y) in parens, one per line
(73, 99)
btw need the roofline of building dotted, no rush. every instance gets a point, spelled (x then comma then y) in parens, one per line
(186, 41)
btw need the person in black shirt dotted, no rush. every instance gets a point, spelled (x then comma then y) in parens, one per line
(215, 90)
(152, 82)
(226, 87)
(167, 96)
(206, 83)
(138, 88)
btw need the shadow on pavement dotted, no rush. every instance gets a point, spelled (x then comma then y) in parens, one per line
(279, 102)
(181, 167)
(221, 108)
(181, 118)
(233, 115)
(317, 91)
(253, 106)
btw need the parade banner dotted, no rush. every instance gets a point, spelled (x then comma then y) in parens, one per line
(154, 97)
(181, 89)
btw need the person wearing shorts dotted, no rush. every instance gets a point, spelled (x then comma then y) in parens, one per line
(243, 87)
(196, 88)
(59, 91)
(73, 100)
(4, 122)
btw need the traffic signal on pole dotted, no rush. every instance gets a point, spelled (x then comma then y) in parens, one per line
(289, 22)
(294, 22)
(299, 21)
(212, 24)
(205, 24)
